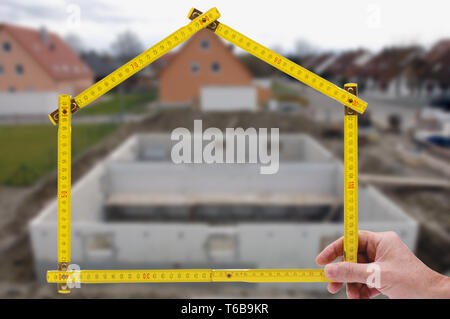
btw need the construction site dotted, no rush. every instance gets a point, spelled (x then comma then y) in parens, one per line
(132, 207)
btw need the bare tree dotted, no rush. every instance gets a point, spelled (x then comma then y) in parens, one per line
(75, 42)
(126, 46)
(303, 47)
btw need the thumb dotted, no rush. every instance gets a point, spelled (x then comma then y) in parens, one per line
(346, 272)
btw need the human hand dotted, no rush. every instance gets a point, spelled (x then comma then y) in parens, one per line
(401, 273)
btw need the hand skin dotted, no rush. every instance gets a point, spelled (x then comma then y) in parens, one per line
(402, 274)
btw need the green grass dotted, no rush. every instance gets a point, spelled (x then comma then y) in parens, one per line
(119, 103)
(279, 88)
(29, 152)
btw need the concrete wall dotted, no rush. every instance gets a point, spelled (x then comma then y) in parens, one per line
(138, 178)
(157, 147)
(28, 103)
(228, 98)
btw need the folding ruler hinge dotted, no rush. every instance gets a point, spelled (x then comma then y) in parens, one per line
(349, 111)
(54, 116)
(63, 287)
(353, 89)
(194, 13)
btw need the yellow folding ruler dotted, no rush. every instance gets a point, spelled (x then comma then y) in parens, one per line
(350, 179)
(186, 275)
(64, 186)
(67, 106)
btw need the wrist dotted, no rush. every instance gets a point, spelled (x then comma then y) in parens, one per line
(439, 287)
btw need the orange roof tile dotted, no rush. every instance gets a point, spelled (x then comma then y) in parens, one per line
(55, 56)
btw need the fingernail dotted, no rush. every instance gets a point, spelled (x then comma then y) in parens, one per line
(331, 270)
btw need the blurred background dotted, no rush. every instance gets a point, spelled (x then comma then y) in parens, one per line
(133, 208)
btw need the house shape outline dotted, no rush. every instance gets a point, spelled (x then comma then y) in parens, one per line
(349, 113)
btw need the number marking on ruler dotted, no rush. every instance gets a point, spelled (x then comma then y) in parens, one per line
(140, 62)
(351, 181)
(285, 65)
(188, 275)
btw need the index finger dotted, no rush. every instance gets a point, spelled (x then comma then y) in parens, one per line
(331, 252)
(336, 248)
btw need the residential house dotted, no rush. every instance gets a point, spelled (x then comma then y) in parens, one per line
(323, 64)
(394, 72)
(346, 66)
(37, 60)
(437, 73)
(206, 74)
(389, 73)
(319, 63)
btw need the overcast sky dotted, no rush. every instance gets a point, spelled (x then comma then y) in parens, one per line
(327, 24)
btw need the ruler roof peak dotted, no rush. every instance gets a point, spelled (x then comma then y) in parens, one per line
(209, 20)
(346, 97)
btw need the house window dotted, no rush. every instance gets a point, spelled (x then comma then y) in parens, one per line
(12, 89)
(195, 67)
(215, 67)
(19, 69)
(204, 44)
(6, 46)
(2, 70)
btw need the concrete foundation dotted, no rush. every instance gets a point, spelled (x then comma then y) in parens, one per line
(136, 209)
